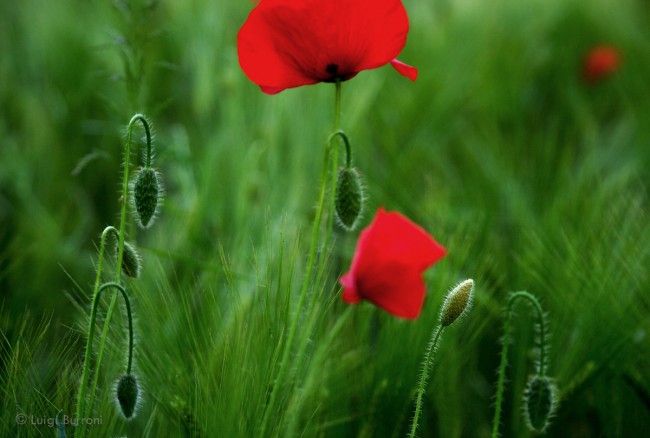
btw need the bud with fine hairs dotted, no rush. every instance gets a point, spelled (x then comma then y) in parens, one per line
(147, 192)
(540, 403)
(349, 198)
(131, 262)
(127, 393)
(457, 303)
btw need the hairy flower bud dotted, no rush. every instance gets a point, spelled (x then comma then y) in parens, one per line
(539, 403)
(131, 264)
(349, 197)
(457, 303)
(127, 395)
(147, 194)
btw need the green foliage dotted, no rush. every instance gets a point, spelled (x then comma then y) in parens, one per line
(529, 177)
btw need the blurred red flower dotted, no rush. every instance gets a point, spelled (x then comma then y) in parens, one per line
(289, 43)
(391, 255)
(600, 62)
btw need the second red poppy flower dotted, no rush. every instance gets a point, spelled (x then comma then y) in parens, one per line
(391, 255)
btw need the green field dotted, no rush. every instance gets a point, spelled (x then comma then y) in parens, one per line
(531, 177)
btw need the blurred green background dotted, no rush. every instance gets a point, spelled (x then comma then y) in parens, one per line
(533, 180)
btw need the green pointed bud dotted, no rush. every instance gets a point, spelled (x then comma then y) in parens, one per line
(349, 198)
(540, 402)
(131, 264)
(457, 303)
(146, 196)
(127, 395)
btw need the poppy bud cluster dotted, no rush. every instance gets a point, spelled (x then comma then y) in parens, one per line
(146, 194)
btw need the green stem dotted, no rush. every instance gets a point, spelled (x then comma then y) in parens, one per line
(129, 316)
(91, 334)
(81, 398)
(279, 381)
(337, 105)
(102, 245)
(125, 182)
(148, 135)
(335, 164)
(346, 143)
(334, 172)
(541, 366)
(428, 361)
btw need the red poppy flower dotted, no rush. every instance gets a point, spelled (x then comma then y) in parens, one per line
(391, 255)
(600, 62)
(289, 43)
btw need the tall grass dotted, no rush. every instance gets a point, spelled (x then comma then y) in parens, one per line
(532, 179)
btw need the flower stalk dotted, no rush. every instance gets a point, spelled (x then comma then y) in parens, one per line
(328, 153)
(541, 364)
(456, 305)
(428, 361)
(89, 341)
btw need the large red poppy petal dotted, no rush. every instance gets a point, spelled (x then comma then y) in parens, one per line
(395, 239)
(268, 46)
(379, 29)
(398, 289)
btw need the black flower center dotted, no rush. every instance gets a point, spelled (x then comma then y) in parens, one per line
(332, 69)
(336, 72)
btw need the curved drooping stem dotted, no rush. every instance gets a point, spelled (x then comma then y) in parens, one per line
(147, 131)
(81, 401)
(346, 142)
(541, 365)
